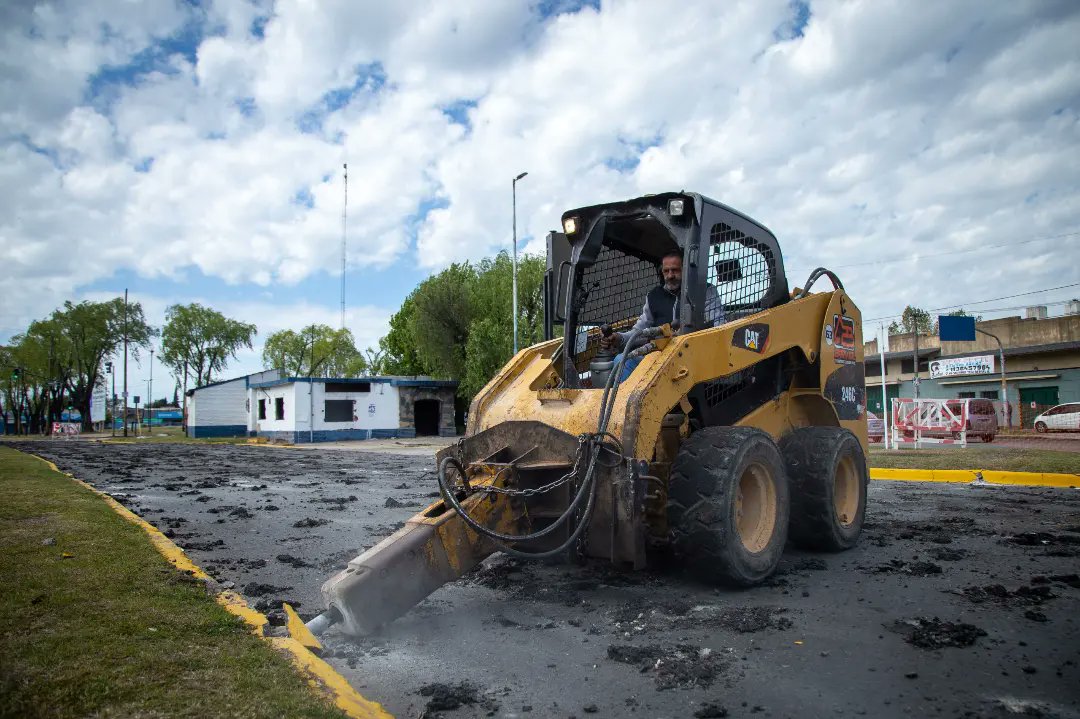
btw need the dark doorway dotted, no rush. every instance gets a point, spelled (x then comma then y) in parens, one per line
(426, 415)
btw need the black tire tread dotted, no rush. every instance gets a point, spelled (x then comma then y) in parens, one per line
(698, 500)
(810, 454)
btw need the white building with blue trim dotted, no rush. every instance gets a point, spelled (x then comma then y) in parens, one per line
(319, 409)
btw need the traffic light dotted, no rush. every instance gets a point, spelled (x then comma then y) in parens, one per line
(16, 374)
(108, 368)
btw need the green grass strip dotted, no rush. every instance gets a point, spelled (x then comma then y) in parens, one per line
(113, 629)
(1006, 459)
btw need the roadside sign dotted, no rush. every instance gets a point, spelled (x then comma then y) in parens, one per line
(956, 329)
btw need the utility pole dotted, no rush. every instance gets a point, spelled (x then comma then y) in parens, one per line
(184, 411)
(344, 215)
(125, 360)
(150, 392)
(885, 409)
(514, 192)
(915, 381)
(1004, 388)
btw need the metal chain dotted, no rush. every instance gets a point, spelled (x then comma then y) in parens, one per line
(533, 491)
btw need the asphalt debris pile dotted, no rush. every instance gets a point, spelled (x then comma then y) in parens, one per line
(310, 522)
(258, 589)
(998, 593)
(1054, 545)
(675, 614)
(293, 561)
(915, 568)
(680, 666)
(448, 697)
(933, 633)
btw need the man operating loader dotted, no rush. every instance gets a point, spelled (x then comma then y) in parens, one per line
(662, 307)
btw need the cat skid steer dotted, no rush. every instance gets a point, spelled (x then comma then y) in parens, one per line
(722, 441)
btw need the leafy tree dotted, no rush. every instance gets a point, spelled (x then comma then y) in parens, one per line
(459, 324)
(201, 340)
(61, 357)
(913, 319)
(399, 345)
(955, 313)
(444, 311)
(491, 334)
(314, 351)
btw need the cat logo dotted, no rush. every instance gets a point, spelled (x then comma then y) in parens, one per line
(753, 337)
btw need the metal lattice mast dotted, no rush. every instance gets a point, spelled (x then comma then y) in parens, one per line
(344, 216)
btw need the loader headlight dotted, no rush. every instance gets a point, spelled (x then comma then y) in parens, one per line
(570, 225)
(676, 208)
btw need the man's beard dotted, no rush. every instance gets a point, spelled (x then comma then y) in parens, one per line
(672, 286)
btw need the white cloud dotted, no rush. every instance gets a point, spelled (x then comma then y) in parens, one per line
(883, 130)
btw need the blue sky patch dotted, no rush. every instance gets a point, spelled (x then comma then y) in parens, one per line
(551, 8)
(458, 112)
(102, 88)
(369, 78)
(795, 26)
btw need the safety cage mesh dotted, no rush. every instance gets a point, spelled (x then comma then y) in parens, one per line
(743, 291)
(617, 284)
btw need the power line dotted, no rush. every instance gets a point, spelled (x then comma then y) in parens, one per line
(909, 256)
(979, 302)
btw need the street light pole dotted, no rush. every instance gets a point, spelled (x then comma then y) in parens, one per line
(513, 186)
(150, 391)
(125, 362)
(1004, 389)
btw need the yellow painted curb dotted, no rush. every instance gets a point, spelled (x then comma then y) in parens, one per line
(979, 476)
(319, 674)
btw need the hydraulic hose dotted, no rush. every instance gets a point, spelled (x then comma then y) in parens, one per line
(588, 485)
(814, 276)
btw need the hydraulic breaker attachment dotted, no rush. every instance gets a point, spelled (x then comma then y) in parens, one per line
(433, 548)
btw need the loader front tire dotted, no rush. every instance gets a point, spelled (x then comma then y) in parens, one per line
(829, 478)
(728, 505)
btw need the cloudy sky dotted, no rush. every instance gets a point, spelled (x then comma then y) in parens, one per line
(193, 151)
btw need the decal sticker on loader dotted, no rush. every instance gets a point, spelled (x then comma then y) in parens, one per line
(846, 389)
(753, 337)
(842, 336)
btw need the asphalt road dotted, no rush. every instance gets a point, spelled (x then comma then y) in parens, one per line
(960, 601)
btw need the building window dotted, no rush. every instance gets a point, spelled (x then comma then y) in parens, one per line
(262, 409)
(279, 408)
(338, 410)
(906, 365)
(873, 370)
(989, 394)
(965, 395)
(348, 387)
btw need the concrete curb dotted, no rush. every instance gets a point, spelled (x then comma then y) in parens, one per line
(977, 476)
(320, 675)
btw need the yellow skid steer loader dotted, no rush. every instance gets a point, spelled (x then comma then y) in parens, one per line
(743, 418)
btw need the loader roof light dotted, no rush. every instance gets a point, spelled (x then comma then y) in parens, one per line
(676, 207)
(570, 225)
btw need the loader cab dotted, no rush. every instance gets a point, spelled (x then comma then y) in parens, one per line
(607, 259)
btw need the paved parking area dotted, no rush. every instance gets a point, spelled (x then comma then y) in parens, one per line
(960, 600)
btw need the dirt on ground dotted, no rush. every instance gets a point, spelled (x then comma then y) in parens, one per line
(960, 601)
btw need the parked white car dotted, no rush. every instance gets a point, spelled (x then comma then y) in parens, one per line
(1063, 418)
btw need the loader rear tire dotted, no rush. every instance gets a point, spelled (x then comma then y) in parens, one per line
(728, 505)
(829, 477)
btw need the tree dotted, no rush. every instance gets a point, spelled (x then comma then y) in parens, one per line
(314, 351)
(913, 319)
(201, 340)
(444, 311)
(399, 355)
(491, 335)
(955, 313)
(95, 331)
(459, 324)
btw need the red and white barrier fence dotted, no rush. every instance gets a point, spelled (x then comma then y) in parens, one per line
(921, 422)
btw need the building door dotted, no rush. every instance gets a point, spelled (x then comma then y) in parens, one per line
(1043, 398)
(426, 415)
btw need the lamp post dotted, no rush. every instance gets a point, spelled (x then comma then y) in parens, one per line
(150, 390)
(513, 186)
